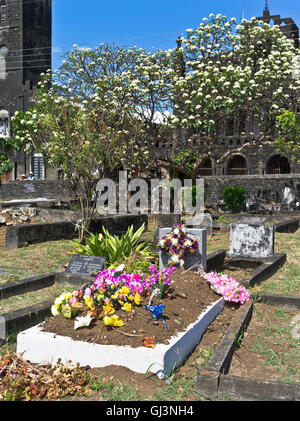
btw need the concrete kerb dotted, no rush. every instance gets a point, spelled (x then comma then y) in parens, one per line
(265, 270)
(207, 379)
(286, 301)
(19, 320)
(26, 285)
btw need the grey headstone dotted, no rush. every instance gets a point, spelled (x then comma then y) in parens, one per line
(199, 257)
(253, 241)
(252, 220)
(204, 222)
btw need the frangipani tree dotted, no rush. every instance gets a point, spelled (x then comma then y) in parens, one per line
(94, 115)
(288, 141)
(231, 71)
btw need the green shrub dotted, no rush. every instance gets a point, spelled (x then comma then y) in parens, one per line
(114, 248)
(234, 197)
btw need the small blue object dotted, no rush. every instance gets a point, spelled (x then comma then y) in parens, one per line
(156, 311)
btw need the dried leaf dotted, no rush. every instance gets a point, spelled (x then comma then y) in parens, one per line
(149, 342)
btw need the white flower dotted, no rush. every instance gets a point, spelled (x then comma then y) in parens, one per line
(175, 258)
(82, 321)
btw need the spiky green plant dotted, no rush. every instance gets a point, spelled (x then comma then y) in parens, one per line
(115, 248)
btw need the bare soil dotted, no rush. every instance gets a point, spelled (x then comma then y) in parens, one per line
(188, 296)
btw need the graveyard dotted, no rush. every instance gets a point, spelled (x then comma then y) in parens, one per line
(200, 347)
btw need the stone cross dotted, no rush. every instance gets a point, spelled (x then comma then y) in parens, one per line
(196, 259)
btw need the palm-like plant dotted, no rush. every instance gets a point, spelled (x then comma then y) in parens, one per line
(115, 248)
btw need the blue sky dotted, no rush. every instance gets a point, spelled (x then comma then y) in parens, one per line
(148, 24)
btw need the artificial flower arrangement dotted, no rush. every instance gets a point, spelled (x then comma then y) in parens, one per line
(111, 291)
(176, 244)
(228, 287)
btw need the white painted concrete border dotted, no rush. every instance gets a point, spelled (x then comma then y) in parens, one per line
(46, 348)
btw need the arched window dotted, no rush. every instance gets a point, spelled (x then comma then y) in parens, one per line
(206, 168)
(237, 165)
(4, 123)
(278, 164)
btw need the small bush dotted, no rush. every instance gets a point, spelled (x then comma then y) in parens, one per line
(234, 197)
(114, 248)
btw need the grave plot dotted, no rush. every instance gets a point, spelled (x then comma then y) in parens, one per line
(257, 357)
(251, 255)
(142, 343)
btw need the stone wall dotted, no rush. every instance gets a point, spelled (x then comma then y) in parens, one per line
(264, 189)
(50, 189)
(18, 235)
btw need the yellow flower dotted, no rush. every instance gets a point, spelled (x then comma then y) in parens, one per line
(137, 299)
(121, 302)
(130, 297)
(89, 302)
(125, 290)
(108, 309)
(108, 321)
(112, 321)
(126, 307)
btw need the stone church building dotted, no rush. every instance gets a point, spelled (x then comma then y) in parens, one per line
(25, 52)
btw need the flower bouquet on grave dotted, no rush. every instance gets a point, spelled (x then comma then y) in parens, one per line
(68, 304)
(228, 287)
(104, 296)
(160, 279)
(177, 244)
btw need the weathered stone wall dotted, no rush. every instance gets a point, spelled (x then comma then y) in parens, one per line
(49, 189)
(17, 235)
(265, 188)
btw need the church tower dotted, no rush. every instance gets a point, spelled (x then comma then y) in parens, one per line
(25, 53)
(287, 25)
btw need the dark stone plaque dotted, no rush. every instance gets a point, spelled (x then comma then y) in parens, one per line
(85, 265)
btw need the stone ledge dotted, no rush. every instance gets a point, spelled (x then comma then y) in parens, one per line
(241, 388)
(286, 301)
(268, 267)
(221, 359)
(26, 285)
(22, 319)
(215, 260)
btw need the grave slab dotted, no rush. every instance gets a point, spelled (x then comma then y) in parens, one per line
(46, 348)
(199, 257)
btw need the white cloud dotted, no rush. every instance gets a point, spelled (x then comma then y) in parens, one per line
(57, 50)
